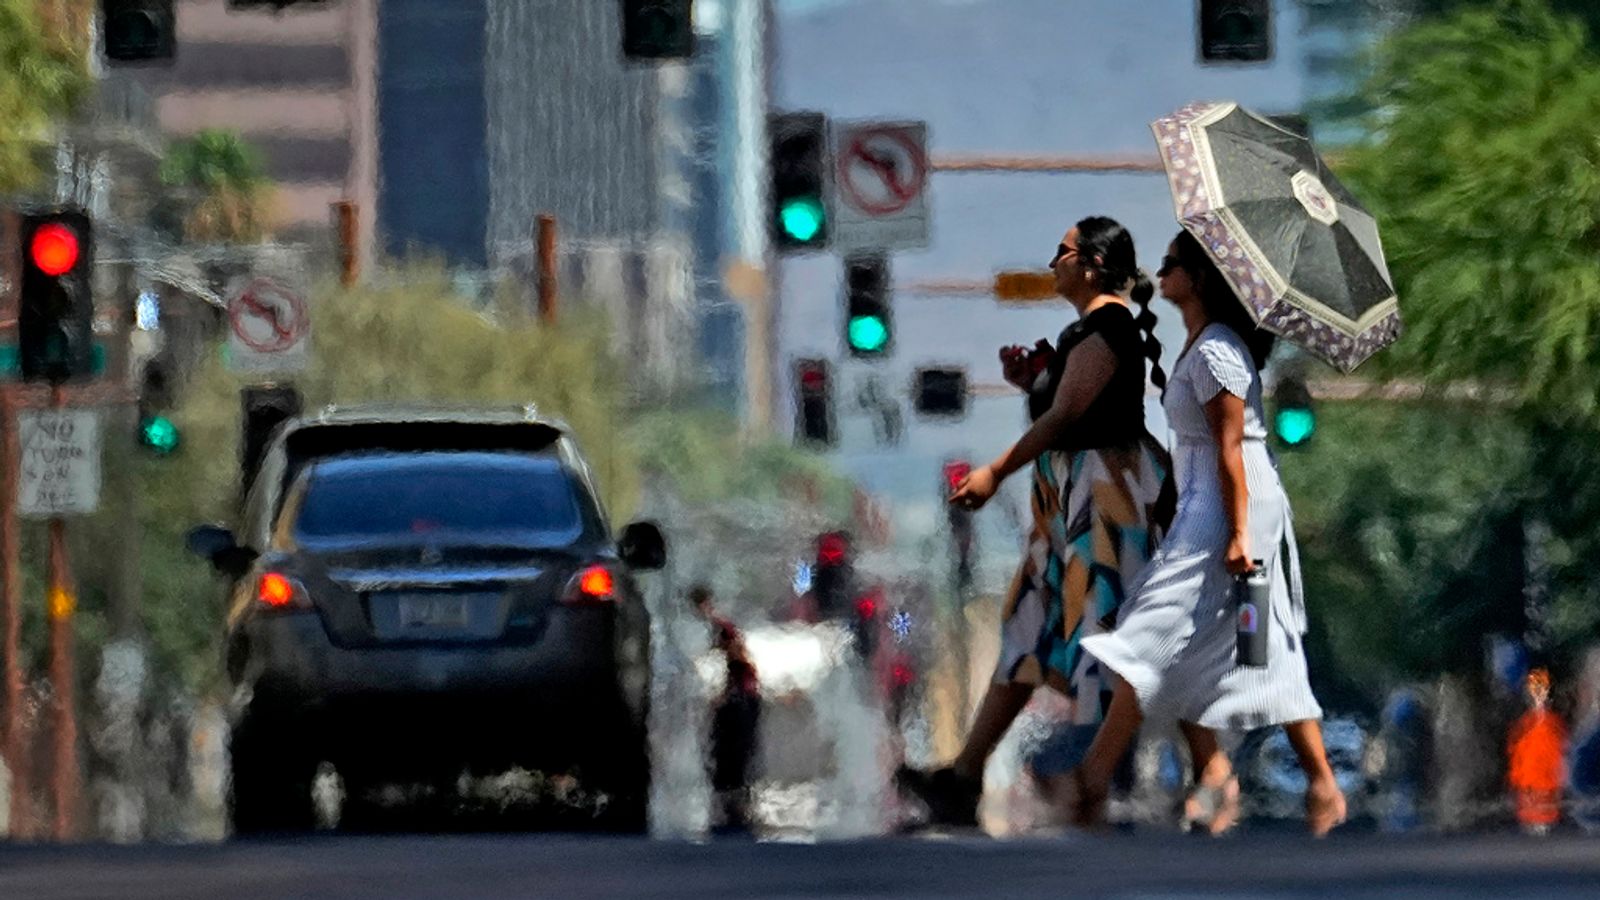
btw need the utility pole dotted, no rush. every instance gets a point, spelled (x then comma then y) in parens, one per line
(545, 249)
(348, 230)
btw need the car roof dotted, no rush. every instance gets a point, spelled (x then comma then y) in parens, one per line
(396, 413)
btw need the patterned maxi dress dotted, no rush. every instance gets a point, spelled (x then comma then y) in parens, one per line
(1098, 514)
(1174, 642)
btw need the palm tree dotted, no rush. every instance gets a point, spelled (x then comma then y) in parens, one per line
(227, 187)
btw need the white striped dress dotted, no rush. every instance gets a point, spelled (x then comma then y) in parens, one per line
(1174, 638)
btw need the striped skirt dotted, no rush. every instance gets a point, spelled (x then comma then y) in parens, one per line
(1097, 518)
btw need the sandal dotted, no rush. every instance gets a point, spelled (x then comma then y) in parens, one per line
(1213, 807)
(951, 798)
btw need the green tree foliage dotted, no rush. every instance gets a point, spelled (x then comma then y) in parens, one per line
(222, 186)
(43, 75)
(1486, 176)
(1484, 170)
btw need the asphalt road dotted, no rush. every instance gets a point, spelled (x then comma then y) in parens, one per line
(569, 867)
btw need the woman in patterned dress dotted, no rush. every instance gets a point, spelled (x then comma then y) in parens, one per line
(1101, 498)
(1173, 646)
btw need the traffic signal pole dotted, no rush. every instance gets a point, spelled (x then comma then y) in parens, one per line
(16, 755)
(61, 604)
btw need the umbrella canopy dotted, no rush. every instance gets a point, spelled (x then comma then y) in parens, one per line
(1293, 242)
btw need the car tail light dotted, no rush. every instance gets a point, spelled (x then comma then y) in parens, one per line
(275, 590)
(594, 584)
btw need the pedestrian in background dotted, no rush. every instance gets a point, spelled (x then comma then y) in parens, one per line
(1174, 644)
(1537, 755)
(736, 716)
(1101, 498)
(1583, 765)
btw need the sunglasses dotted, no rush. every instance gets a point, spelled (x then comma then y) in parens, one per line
(1168, 264)
(1061, 252)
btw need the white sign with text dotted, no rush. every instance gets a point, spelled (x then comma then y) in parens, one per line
(60, 462)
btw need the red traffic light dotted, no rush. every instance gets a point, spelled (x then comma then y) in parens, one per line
(813, 378)
(867, 606)
(54, 249)
(832, 548)
(955, 473)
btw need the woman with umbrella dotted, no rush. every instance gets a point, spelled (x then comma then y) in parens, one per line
(1272, 244)
(1173, 647)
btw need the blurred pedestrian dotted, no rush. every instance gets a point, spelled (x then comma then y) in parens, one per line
(1584, 762)
(1101, 493)
(1537, 752)
(1174, 645)
(736, 716)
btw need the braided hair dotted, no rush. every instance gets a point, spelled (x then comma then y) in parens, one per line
(1106, 248)
(1217, 297)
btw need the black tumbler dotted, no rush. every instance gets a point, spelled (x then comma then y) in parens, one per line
(1252, 593)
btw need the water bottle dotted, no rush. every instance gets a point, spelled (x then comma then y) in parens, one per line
(1252, 594)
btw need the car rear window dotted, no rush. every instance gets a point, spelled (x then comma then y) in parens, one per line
(510, 499)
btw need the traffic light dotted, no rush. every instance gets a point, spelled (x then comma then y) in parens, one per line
(1235, 31)
(941, 392)
(833, 575)
(657, 29)
(956, 471)
(1294, 420)
(869, 607)
(55, 316)
(158, 433)
(138, 30)
(869, 328)
(265, 407)
(813, 403)
(799, 211)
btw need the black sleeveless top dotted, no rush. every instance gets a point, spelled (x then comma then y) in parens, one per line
(1116, 416)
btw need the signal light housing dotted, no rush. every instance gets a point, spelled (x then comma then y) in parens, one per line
(138, 30)
(799, 189)
(1235, 31)
(813, 411)
(1294, 419)
(869, 328)
(55, 313)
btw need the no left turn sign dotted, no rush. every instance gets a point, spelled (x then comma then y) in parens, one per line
(268, 328)
(881, 171)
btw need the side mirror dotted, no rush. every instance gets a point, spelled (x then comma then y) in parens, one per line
(218, 546)
(642, 546)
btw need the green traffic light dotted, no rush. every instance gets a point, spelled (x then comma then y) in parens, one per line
(802, 218)
(1295, 426)
(159, 434)
(868, 334)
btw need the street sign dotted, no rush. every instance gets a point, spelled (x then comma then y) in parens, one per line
(269, 329)
(60, 462)
(882, 178)
(1025, 287)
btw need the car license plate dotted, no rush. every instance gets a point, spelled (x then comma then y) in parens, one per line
(433, 612)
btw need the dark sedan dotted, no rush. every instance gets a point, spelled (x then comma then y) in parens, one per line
(413, 596)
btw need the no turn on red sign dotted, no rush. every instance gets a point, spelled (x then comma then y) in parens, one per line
(269, 328)
(881, 181)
